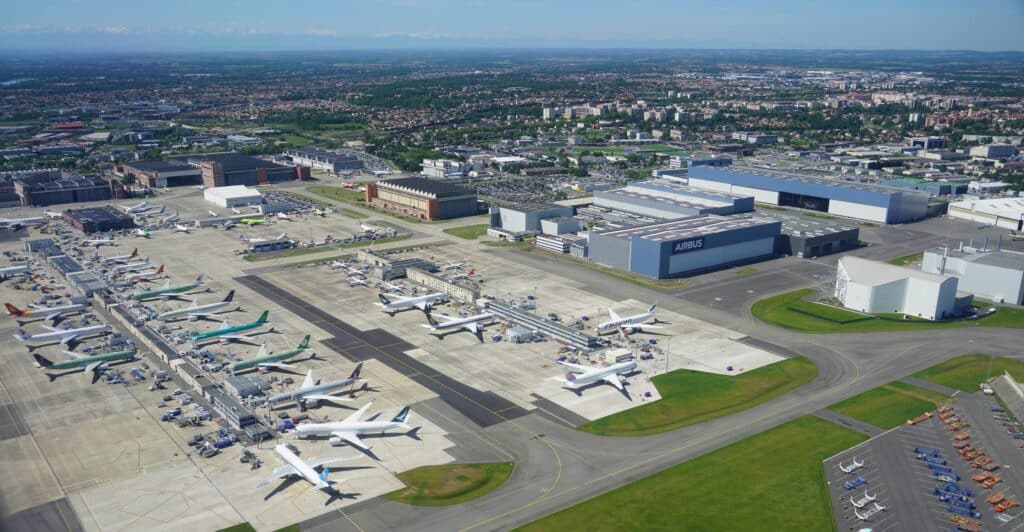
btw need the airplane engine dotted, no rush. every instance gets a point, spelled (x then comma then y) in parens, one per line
(336, 441)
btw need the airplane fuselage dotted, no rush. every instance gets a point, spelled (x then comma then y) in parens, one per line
(320, 389)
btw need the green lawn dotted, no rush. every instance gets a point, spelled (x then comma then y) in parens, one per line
(243, 527)
(355, 197)
(889, 405)
(746, 271)
(791, 311)
(689, 397)
(469, 232)
(443, 485)
(966, 372)
(771, 481)
(907, 259)
(295, 140)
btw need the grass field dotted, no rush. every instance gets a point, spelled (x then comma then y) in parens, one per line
(791, 311)
(447, 484)
(689, 397)
(242, 527)
(889, 405)
(771, 481)
(746, 271)
(966, 372)
(354, 197)
(907, 259)
(469, 232)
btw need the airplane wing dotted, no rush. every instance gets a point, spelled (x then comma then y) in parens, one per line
(54, 315)
(202, 314)
(281, 472)
(317, 462)
(613, 314)
(614, 381)
(422, 305)
(68, 339)
(92, 366)
(324, 397)
(575, 367)
(358, 413)
(308, 382)
(234, 337)
(274, 365)
(352, 439)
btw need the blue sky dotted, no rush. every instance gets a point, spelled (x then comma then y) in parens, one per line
(146, 25)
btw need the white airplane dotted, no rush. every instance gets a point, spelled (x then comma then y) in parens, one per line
(579, 376)
(394, 287)
(12, 270)
(233, 209)
(284, 216)
(369, 228)
(306, 469)
(403, 302)
(97, 242)
(182, 228)
(132, 209)
(121, 259)
(152, 211)
(65, 336)
(453, 266)
(312, 392)
(349, 429)
(356, 282)
(131, 266)
(472, 324)
(629, 324)
(256, 240)
(172, 218)
(53, 215)
(144, 276)
(51, 313)
(18, 223)
(195, 310)
(214, 213)
(144, 233)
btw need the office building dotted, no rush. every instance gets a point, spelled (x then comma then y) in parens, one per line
(994, 275)
(422, 198)
(444, 169)
(994, 151)
(927, 143)
(876, 287)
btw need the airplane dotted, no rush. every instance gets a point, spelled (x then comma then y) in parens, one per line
(12, 270)
(168, 291)
(629, 324)
(356, 282)
(182, 228)
(152, 211)
(369, 228)
(213, 213)
(253, 221)
(470, 323)
(195, 310)
(65, 336)
(403, 302)
(109, 241)
(284, 216)
(228, 224)
(94, 363)
(458, 276)
(579, 376)
(51, 313)
(306, 469)
(349, 271)
(144, 276)
(394, 287)
(132, 209)
(144, 233)
(131, 266)
(235, 210)
(312, 392)
(227, 332)
(264, 360)
(453, 266)
(121, 259)
(256, 240)
(18, 223)
(53, 215)
(172, 218)
(349, 429)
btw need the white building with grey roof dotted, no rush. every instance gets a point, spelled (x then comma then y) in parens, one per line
(876, 287)
(994, 275)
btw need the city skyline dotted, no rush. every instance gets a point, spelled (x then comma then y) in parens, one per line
(118, 25)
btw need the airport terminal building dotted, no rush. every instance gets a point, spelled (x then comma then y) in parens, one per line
(861, 201)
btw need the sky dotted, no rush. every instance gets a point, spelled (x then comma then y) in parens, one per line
(262, 25)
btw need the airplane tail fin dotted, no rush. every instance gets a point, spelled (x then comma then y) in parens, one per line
(22, 334)
(13, 310)
(302, 345)
(160, 270)
(653, 308)
(402, 416)
(263, 317)
(135, 253)
(355, 372)
(228, 298)
(43, 361)
(383, 299)
(199, 278)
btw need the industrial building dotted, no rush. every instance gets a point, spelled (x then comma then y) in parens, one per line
(554, 330)
(685, 246)
(668, 200)
(233, 196)
(876, 287)
(230, 169)
(525, 218)
(160, 174)
(422, 198)
(843, 198)
(994, 275)
(1007, 213)
(99, 219)
(53, 187)
(808, 238)
(328, 161)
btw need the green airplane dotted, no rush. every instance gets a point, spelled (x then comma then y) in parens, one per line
(87, 363)
(167, 290)
(268, 360)
(253, 221)
(227, 332)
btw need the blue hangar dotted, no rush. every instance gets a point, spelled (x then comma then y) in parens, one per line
(686, 246)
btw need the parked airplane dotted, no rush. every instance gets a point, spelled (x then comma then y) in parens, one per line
(472, 324)
(228, 224)
(349, 429)
(168, 291)
(403, 302)
(12, 270)
(53, 215)
(312, 392)
(195, 310)
(65, 336)
(356, 282)
(121, 259)
(306, 469)
(180, 228)
(256, 240)
(629, 324)
(253, 221)
(284, 216)
(18, 223)
(264, 360)
(394, 287)
(579, 376)
(50, 313)
(152, 211)
(228, 332)
(144, 276)
(453, 266)
(213, 213)
(235, 210)
(94, 363)
(144, 233)
(132, 209)
(131, 266)
(97, 242)
(172, 218)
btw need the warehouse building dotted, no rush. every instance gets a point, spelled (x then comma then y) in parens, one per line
(876, 287)
(160, 174)
(99, 219)
(686, 246)
(525, 218)
(1007, 213)
(54, 187)
(807, 238)
(230, 169)
(994, 275)
(328, 161)
(668, 200)
(233, 196)
(422, 198)
(843, 198)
